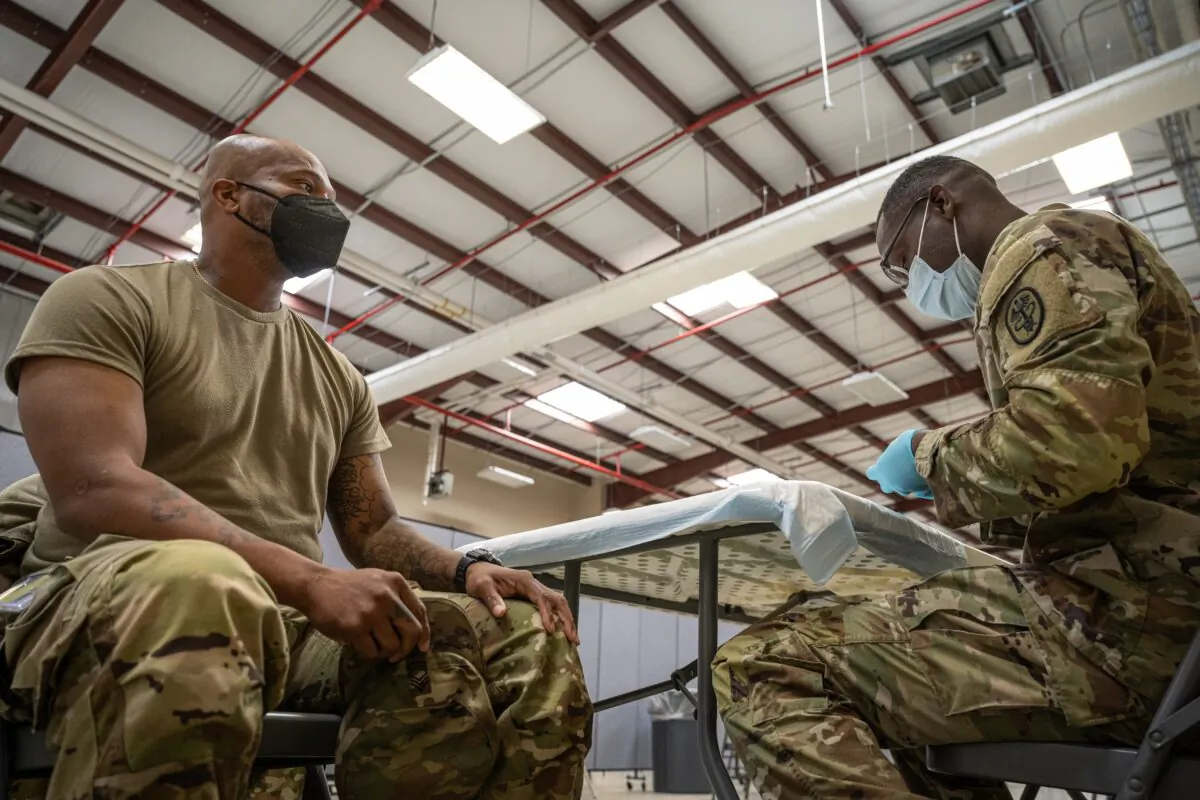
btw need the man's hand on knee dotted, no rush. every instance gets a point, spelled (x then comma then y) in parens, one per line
(373, 610)
(490, 583)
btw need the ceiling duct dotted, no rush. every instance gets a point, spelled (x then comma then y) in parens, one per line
(1132, 97)
(966, 66)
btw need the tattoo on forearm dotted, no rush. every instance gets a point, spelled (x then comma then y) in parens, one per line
(362, 515)
(169, 504)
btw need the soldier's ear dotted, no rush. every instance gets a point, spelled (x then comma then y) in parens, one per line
(942, 202)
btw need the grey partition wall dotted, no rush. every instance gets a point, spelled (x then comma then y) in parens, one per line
(15, 461)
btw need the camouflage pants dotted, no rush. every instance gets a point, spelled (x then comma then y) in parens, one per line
(150, 665)
(811, 700)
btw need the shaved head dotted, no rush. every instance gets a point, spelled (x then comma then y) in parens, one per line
(246, 180)
(245, 158)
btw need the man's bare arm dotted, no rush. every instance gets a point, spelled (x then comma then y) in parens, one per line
(86, 428)
(364, 518)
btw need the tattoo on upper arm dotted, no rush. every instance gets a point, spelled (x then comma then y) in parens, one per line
(362, 516)
(356, 509)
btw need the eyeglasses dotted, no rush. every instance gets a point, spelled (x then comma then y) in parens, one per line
(898, 275)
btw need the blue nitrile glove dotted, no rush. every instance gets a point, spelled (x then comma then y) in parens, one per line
(896, 469)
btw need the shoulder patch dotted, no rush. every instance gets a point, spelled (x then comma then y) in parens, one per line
(1024, 316)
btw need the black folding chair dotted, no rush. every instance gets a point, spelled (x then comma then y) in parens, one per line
(288, 740)
(1148, 773)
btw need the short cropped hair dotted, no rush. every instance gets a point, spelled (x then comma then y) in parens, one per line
(916, 181)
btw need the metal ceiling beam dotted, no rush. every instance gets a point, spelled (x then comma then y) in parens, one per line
(856, 28)
(249, 45)
(726, 67)
(90, 214)
(606, 26)
(1041, 48)
(859, 415)
(877, 296)
(418, 37)
(488, 446)
(579, 21)
(79, 37)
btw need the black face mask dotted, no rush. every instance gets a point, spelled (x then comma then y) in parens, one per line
(307, 232)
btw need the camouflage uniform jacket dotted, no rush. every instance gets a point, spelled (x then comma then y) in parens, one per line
(1090, 349)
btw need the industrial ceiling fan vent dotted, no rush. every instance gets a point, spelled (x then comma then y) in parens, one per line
(970, 72)
(25, 217)
(965, 66)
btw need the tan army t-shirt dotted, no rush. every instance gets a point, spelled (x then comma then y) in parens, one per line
(248, 412)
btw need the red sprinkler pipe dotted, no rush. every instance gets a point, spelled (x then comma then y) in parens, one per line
(301, 71)
(29, 255)
(701, 123)
(543, 448)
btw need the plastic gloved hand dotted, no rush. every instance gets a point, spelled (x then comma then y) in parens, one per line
(896, 469)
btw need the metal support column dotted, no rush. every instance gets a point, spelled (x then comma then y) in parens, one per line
(572, 575)
(710, 749)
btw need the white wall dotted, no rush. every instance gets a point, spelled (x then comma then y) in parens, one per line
(476, 505)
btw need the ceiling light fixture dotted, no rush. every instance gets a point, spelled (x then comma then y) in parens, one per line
(874, 389)
(193, 238)
(740, 290)
(751, 476)
(1096, 163)
(521, 366)
(505, 477)
(579, 401)
(1094, 204)
(469, 91)
(661, 438)
(294, 285)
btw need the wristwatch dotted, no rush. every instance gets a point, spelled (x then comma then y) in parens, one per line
(464, 564)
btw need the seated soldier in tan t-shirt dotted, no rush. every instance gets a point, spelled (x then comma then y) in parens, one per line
(191, 432)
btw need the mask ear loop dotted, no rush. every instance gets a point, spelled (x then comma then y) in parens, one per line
(956, 243)
(921, 235)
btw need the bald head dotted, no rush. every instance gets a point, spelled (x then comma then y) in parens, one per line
(245, 158)
(246, 181)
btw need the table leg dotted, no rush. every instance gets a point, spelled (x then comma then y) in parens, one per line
(572, 575)
(710, 750)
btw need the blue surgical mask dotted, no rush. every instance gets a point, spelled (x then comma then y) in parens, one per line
(949, 295)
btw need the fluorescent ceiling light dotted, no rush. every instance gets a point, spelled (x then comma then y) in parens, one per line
(520, 366)
(661, 438)
(551, 411)
(580, 401)
(874, 389)
(1096, 163)
(1094, 204)
(752, 476)
(294, 285)
(505, 477)
(740, 290)
(465, 88)
(192, 238)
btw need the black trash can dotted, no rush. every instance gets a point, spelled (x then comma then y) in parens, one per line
(675, 757)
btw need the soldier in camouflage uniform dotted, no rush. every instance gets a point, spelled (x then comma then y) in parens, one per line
(191, 432)
(1090, 460)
